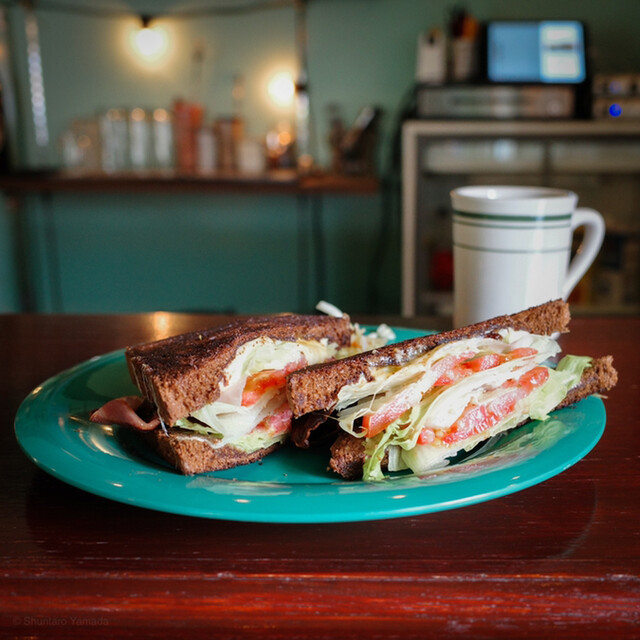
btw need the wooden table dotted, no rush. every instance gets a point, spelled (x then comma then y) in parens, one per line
(560, 559)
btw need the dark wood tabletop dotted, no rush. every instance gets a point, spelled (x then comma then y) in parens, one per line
(559, 559)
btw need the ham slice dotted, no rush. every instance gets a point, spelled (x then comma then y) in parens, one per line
(122, 411)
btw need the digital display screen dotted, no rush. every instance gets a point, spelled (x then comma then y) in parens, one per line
(550, 51)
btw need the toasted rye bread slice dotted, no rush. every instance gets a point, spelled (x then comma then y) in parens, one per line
(316, 388)
(181, 374)
(191, 454)
(348, 455)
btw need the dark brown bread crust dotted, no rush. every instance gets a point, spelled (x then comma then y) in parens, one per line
(181, 374)
(600, 377)
(191, 454)
(347, 456)
(347, 452)
(316, 388)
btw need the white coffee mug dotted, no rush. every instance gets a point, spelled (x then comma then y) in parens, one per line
(512, 246)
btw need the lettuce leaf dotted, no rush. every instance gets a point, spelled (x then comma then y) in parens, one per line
(404, 432)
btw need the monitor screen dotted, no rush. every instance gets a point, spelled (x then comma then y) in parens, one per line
(550, 51)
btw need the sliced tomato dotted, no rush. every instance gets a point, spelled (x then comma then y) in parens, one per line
(490, 360)
(534, 378)
(462, 369)
(520, 352)
(477, 418)
(454, 374)
(261, 381)
(375, 423)
(483, 362)
(450, 369)
(474, 419)
(427, 436)
(279, 421)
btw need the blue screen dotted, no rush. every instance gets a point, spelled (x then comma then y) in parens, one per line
(549, 52)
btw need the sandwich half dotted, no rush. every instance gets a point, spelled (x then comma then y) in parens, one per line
(216, 399)
(417, 404)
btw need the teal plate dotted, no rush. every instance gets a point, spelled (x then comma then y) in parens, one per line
(289, 485)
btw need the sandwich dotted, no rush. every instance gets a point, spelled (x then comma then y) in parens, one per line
(216, 399)
(419, 403)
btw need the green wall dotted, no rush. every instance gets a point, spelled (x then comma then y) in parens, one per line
(132, 252)
(118, 252)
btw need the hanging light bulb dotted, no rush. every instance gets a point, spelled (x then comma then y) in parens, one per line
(150, 43)
(281, 88)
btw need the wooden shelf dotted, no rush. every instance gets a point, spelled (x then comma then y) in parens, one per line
(277, 182)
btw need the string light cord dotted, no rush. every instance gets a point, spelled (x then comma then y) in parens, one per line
(229, 9)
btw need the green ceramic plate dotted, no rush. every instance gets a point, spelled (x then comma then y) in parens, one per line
(290, 485)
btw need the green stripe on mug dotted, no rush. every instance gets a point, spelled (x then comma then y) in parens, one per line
(512, 218)
(522, 251)
(510, 227)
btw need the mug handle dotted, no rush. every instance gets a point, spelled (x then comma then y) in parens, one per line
(593, 222)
